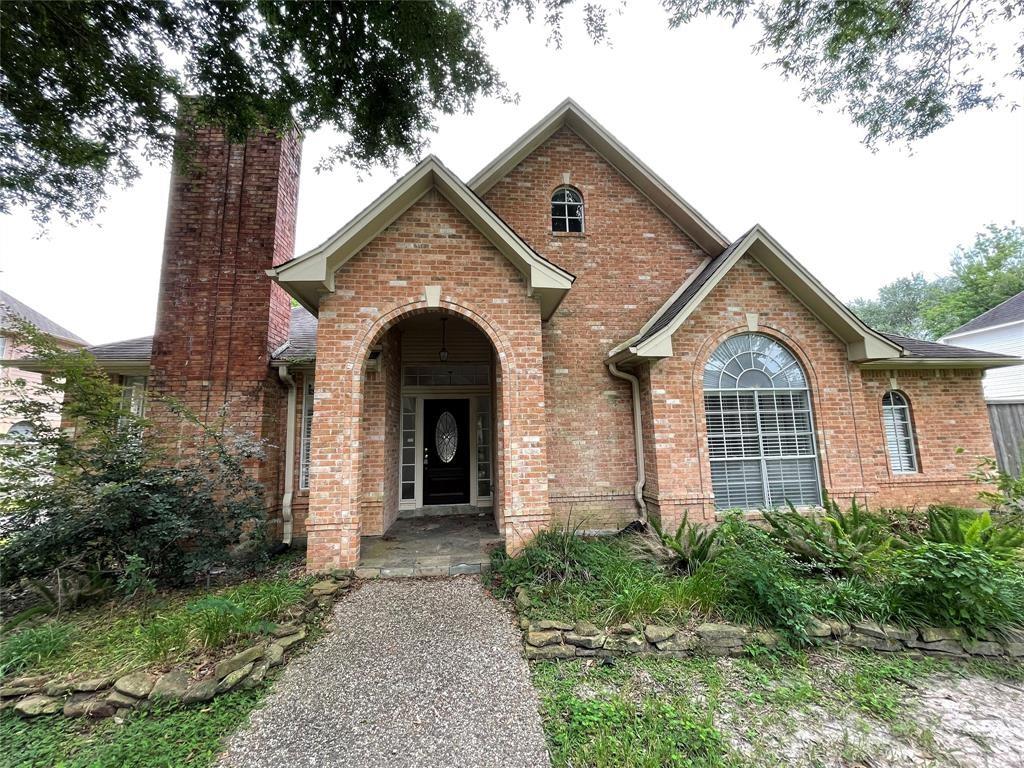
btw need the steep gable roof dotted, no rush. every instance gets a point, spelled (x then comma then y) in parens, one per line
(10, 305)
(1008, 312)
(571, 115)
(655, 339)
(311, 275)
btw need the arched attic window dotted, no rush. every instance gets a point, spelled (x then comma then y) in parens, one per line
(567, 210)
(760, 427)
(899, 433)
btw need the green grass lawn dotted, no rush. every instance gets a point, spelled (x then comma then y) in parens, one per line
(702, 712)
(162, 737)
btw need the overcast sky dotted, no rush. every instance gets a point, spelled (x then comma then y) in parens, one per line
(695, 104)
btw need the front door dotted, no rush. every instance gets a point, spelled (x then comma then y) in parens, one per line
(446, 451)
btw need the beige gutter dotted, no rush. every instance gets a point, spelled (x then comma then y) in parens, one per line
(638, 438)
(289, 458)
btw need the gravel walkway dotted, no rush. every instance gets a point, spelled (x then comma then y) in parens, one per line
(413, 673)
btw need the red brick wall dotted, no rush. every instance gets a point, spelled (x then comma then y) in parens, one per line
(952, 431)
(846, 403)
(375, 290)
(231, 216)
(628, 261)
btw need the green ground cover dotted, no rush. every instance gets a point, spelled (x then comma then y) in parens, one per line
(164, 737)
(827, 708)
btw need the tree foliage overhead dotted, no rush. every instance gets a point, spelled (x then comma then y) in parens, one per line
(983, 275)
(85, 85)
(901, 69)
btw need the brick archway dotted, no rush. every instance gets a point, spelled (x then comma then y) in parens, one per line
(336, 453)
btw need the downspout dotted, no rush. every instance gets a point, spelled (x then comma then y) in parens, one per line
(289, 459)
(638, 438)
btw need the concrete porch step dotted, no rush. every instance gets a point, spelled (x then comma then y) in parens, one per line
(419, 571)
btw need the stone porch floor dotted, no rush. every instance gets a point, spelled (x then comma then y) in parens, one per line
(430, 546)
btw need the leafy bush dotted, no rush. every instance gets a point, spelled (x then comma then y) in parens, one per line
(689, 547)
(754, 580)
(951, 585)
(111, 497)
(1008, 496)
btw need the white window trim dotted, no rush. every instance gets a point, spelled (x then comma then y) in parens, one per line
(899, 462)
(133, 394)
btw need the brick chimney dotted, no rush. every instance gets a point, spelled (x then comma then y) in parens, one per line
(230, 216)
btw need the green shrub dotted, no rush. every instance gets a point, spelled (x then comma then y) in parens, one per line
(30, 646)
(953, 585)
(109, 497)
(754, 580)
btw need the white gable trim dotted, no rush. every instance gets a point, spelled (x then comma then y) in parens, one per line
(571, 115)
(862, 342)
(311, 275)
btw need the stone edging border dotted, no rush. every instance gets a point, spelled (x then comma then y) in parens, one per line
(101, 697)
(561, 640)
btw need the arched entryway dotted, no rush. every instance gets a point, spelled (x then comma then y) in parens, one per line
(440, 419)
(429, 449)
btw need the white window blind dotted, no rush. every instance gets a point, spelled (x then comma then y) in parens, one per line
(899, 433)
(307, 431)
(760, 427)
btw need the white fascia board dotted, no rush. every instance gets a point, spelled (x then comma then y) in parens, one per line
(572, 115)
(862, 342)
(983, 363)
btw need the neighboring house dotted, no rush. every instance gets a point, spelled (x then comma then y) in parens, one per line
(561, 338)
(10, 352)
(1001, 330)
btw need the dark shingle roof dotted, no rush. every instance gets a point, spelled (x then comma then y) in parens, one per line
(691, 290)
(1010, 311)
(9, 304)
(132, 349)
(301, 343)
(301, 338)
(922, 348)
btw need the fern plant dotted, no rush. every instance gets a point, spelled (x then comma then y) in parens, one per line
(837, 543)
(952, 525)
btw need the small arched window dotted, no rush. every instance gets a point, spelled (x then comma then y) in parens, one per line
(899, 433)
(566, 210)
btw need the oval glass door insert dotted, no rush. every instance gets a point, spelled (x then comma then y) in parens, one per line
(446, 436)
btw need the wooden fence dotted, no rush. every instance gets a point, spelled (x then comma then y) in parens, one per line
(1008, 434)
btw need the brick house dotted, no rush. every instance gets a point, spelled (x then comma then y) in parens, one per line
(561, 338)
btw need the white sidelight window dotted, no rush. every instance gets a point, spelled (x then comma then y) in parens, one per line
(307, 433)
(760, 426)
(566, 210)
(133, 395)
(899, 433)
